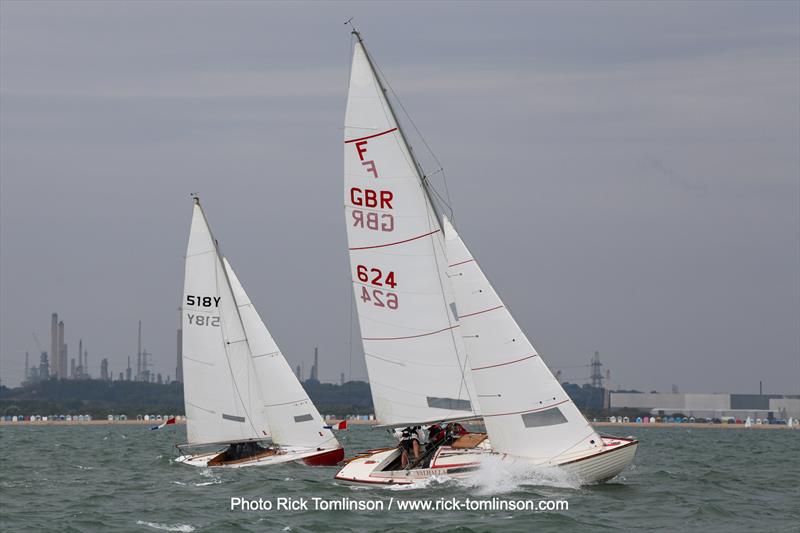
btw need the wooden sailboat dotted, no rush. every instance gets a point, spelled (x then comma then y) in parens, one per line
(438, 342)
(242, 400)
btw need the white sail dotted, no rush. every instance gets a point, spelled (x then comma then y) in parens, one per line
(221, 393)
(293, 418)
(526, 411)
(414, 353)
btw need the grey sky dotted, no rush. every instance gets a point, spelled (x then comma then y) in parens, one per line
(628, 174)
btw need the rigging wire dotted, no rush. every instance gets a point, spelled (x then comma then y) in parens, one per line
(350, 350)
(447, 203)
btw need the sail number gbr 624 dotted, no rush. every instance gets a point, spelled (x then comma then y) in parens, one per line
(375, 277)
(203, 302)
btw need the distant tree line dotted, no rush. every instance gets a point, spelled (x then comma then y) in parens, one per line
(100, 398)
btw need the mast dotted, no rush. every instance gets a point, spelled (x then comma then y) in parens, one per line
(416, 361)
(224, 270)
(229, 285)
(221, 393)
(417, 166)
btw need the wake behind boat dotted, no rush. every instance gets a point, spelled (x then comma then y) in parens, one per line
(244, 405)
(439, 343)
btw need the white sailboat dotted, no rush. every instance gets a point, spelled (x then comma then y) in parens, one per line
(239, 390)
(438, 342)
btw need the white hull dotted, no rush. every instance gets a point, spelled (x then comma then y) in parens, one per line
(616, 454)
(312, 457)
(595, 466)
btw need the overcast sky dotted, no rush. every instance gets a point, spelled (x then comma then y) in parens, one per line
(627, 174)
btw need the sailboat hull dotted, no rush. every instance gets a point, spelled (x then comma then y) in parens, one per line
(314, 457)
(604, 465)
(378, 466)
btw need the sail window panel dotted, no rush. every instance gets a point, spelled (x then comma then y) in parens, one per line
(233, 418)
(454, 310)
(451, 404)
(548, 417)
(303, 418)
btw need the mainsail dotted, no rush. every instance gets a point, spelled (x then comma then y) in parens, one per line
(293, 418)
(407, 314)
(526, 411)
(221, 390)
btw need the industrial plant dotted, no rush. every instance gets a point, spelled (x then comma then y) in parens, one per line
(57, 364)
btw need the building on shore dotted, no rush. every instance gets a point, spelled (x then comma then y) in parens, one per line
(717, 405)
(62, 352)
(54, 347)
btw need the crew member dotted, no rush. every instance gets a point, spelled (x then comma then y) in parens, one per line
(409, 442)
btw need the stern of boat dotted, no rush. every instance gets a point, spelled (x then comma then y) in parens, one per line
(326, 458)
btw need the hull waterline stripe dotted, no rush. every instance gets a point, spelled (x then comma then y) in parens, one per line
(461, 263)
(370, 136)
(393, 243)
(604, 452)
(387, 482)
(526, 410)
(479, 312)
(409, 336)
(504, 364)
(455, 465)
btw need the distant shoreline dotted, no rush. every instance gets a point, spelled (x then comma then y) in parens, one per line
(632, 425)
(688, 425)
(106, 422)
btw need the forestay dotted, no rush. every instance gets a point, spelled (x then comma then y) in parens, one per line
(293, 418)
(221, 392)
(406, 311)
(526, 411)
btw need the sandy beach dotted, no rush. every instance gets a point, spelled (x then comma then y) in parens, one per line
(106, 422)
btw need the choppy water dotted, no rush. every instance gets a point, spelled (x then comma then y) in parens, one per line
(100, 478)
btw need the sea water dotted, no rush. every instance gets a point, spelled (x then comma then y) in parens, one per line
(123, 478)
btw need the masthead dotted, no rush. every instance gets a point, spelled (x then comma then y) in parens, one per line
(353, 27)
